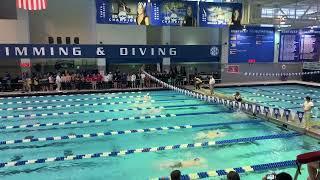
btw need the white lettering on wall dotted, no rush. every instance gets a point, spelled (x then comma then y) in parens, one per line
(143, 51)
(161, 51)
(51, 51)
(19, 52)
(63, 51)
(76, 51)
(123, 51)
(133, 51)
(7, 51)
(173, 51)
(152, 51)
(37, 52)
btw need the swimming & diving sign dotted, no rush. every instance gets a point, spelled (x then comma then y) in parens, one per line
(206, 52)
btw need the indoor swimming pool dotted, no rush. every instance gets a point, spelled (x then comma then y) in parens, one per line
(142, 135)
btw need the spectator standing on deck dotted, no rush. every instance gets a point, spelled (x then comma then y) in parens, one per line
(51, 82)
(197, 82)
(58, 82)
(307, 107)
(142, 79)
(133, 80)
(212, 82)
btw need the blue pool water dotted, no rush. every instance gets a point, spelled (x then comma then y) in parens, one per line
(51, 116)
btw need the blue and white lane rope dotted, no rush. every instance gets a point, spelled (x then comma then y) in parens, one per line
(240, 170)
(105, 120)
(87, 112)
(80, 105)
(274, 98)
(112, 133)
(70, 95)
(289, 95)
(70, 100)
(146, 150)
(81, 112)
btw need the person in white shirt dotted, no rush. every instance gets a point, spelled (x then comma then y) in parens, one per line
(212, 81)
(51, 82)
(58, 82)
(307, 108)
(142, 78)
(133, 80)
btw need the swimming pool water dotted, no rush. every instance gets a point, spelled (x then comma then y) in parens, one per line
(180, 110)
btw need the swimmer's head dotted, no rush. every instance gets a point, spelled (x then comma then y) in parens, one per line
(196, 159)
(308, 98)
(237, 93)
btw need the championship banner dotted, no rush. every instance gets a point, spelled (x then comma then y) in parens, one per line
(123, 12)
(174, 13)
(219, 14)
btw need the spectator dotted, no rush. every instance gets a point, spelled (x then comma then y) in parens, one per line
(212, 81)
(58, 82)
(94, 80)
(51, 82)
(313, 170)
(128, 80)
(280, 176)
(307, 107)
(142, 79)
(232, 175)
(175, 175)
(197, 82)
(133, 80)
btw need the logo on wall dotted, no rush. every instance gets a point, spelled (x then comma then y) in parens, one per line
(214, 51)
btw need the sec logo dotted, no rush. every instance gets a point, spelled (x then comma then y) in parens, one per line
(214, 51)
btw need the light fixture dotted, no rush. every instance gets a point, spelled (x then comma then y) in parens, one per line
(32, 5)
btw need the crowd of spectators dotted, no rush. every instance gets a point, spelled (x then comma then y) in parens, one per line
(86, 80)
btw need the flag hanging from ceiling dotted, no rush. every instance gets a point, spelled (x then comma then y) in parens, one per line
(32, 4)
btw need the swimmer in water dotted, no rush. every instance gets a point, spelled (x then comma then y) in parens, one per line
(183, 164)
(152, 111)
(209, 135)
(146, 97)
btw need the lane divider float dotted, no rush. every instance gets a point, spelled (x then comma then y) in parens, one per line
(70, 95)
(70, 100)
(112, 133)
(106, 120)
(146, 150)
(240, 170)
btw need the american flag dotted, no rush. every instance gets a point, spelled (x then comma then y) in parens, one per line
(32, 4)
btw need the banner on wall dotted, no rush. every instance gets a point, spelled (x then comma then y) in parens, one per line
(123, 12)
(299, 45)
(252, 43)
(136, 53)
(174, 13)
(219, 14)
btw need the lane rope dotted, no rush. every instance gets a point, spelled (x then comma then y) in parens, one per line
(81, 105)
(106, 120)
(71, 95)
(122, 132)
(240, 170)
(65, 113)
(69, 100)
(146, 150)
